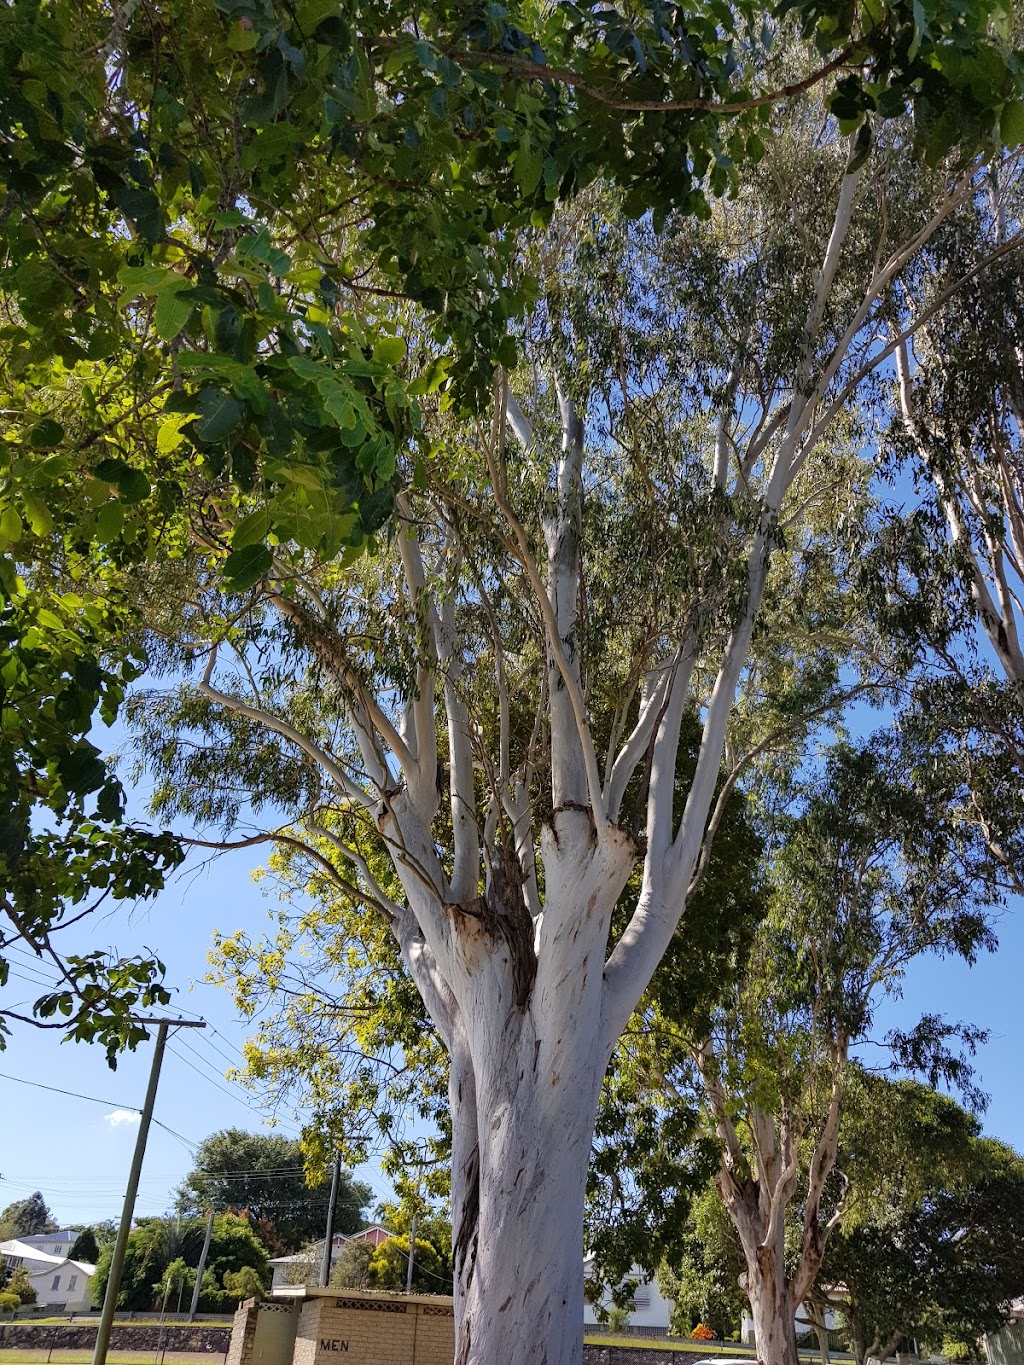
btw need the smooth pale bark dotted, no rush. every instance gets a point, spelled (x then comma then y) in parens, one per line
(525, 1085)
(773, 1313)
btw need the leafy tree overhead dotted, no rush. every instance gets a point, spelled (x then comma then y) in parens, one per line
(26, 1217)
(264, 1176)
(65, 845)
(177, 281)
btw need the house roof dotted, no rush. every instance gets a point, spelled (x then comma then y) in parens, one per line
(83, 1266)
(28, 1252)
(337, 1241)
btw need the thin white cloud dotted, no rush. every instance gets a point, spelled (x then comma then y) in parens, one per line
(123, 1118)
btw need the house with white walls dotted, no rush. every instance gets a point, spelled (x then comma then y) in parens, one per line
(291, 1273)
(60, 1283)
(650, 1313)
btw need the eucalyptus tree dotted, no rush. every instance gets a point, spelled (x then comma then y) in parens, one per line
(490, 708)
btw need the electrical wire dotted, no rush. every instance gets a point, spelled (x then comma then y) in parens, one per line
(240, 1097)
(74, 1094)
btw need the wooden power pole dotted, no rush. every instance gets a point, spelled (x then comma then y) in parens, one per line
(99, 1355)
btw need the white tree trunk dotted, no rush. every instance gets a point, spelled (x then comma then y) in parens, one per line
(527, 1065)
(521, 1285)
(774, 1321)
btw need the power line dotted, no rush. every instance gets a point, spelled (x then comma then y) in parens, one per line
(56, 1090)
(32, 980)
(243, 1095)
(221, 1053)
(240, 1097)
(230, 1061)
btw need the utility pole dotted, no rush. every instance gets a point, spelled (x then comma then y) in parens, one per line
(99, 1355)
(412, 1230)
(202, 1265)
(325, 1264)
(412, 1251)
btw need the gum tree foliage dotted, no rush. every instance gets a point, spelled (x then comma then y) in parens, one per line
(929, 1246)
(954, 427)
(870, 863)
(259, 241)
(194, 197)
(264, 1176)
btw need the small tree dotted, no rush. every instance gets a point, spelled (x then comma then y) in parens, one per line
(20, 1284)
(176, 1280)
(388, 1267)
(85, 1248)
(352, 1268)
(244, 1284)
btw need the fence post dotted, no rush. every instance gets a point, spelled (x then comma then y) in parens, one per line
(49, 1349)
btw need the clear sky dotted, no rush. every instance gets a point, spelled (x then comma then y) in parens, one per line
(77, 1152)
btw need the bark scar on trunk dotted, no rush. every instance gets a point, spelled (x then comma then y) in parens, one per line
(502, 917)
(464, 1238)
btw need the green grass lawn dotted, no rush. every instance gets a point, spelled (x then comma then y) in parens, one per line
(680, 1346)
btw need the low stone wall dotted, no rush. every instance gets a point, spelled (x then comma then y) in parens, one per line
(23, 1336)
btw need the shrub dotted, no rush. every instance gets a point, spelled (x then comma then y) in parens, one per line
(243, 1284)
(702, 1333)
(9, 1302)
(959, 1351)
(352, 1268)
(618, 1319)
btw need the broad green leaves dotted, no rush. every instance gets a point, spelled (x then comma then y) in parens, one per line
(63, 839)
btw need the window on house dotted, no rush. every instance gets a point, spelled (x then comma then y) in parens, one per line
(642, 1298)
(72, 1282)
(56, 1282)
